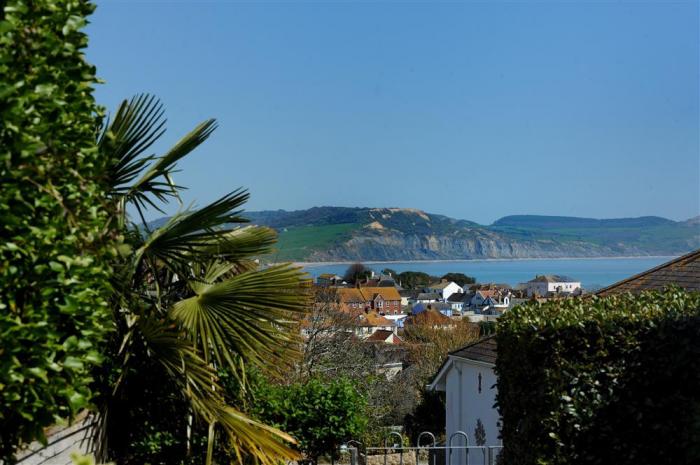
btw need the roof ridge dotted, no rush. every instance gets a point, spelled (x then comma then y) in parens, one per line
(481, 339)
(651, 270)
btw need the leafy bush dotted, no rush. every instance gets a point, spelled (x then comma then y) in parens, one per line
(320, 415)
(415, 279)
(600, 381)
(53, 309)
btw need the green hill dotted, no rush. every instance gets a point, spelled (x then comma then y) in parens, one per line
(369, 234)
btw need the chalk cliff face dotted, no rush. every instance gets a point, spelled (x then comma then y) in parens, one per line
(472, 244)
(376, 234)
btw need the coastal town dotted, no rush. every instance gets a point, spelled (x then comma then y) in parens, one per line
(379, 233)
(381, 302)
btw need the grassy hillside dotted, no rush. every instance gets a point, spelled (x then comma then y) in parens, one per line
(650, 233)
(297, 243)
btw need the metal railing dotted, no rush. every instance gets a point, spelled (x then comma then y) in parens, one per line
(425, 452)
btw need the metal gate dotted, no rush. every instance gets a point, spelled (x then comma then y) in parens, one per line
(456, 451)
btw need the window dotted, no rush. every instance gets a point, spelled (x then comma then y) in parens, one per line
(380, 303)
(479, 382)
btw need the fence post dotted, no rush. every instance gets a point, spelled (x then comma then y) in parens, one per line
(354, 447)
(418, 446)
(466, 441)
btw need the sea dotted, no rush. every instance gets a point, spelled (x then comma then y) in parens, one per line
(593, 273)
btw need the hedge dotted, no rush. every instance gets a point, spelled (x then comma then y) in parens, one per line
(601, 380)
(53, 276)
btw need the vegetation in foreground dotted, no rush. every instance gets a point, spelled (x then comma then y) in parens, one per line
(601, 380)
(188, 298)
(56, 246)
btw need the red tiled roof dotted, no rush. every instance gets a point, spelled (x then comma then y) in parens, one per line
(381, 335)
(373, 319)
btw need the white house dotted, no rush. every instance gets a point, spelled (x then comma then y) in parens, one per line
(545, 285)
(444, 289)
(468, 379)
(424, 298)
(458, 300)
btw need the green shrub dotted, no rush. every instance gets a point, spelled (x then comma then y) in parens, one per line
(601, 381)
(53, 278)
(320, 415)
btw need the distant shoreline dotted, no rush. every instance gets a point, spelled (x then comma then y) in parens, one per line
(376, 262)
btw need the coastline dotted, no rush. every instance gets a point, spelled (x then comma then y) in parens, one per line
(475, 260)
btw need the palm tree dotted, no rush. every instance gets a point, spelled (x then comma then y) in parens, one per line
(189, 297)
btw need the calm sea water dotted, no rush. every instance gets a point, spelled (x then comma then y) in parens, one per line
(591, 272)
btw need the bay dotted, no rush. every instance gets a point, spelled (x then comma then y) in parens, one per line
(592, 272)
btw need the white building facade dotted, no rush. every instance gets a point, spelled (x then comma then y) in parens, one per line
(546, 285)
(444, 289)
(468, 379)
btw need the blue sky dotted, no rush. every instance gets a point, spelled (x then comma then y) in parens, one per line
(474, 110)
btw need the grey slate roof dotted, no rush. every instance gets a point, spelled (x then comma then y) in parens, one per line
(483, 350)
(683, 271)
(428, 296)
(457, 297)
(553, 278)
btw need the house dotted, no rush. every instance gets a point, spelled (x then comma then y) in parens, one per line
(397, 319)
(425, 298)
(386, 280)
(384, 336)
(683, 272)
(371, 322)
(444, 289)
(483, 298)
(496, 305)
(389, 358)
(407, 295)
(329, 279)
(468, 379)
(442, 307)
(385, 300)
(546, 285)
(458, 300)
(351, 300)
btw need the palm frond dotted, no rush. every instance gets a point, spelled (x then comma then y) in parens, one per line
(157, 180)
(198, 382)
(137, 124)
(249, 314)
(194, 234)
(240, 245)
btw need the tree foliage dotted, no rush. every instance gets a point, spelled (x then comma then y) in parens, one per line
(356, 272)
(459, 278)
(320, 415)
(56, 240)
(332, 351)
(415, 279)
(601, 380)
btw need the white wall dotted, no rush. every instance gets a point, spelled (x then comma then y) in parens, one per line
(542, 288)
(62, 441)
(450, 289)
(465, 404)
